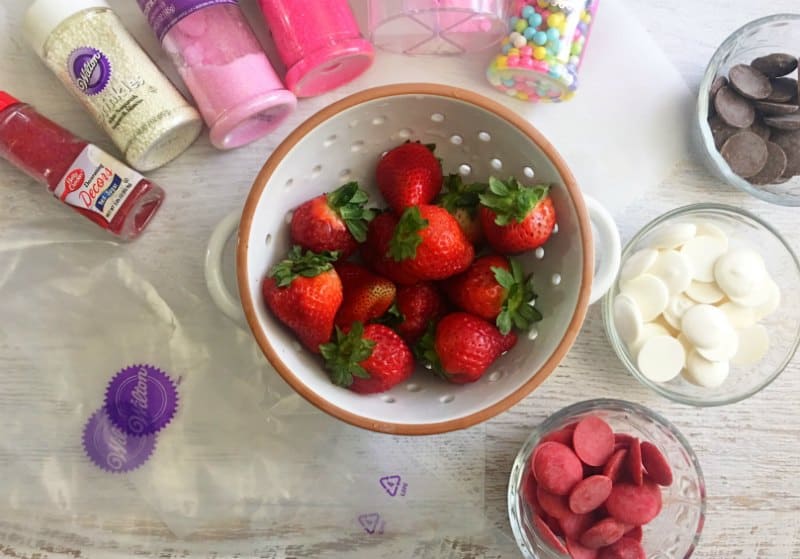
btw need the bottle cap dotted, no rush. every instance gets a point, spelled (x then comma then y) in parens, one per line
(7, 100)
(44, 16)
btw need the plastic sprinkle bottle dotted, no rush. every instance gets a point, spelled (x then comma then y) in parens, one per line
(543, 52)
(319, 42)
(222, 63)
(79, 174)
(85, 45)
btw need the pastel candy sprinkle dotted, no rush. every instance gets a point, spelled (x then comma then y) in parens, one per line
(540, 38)
(528, 11)
(539, 53)
(521, 25)
(535, 20)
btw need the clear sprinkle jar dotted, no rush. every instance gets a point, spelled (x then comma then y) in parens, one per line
(86, 46)
(222, 63)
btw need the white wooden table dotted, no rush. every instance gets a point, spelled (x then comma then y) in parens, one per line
(750, 451)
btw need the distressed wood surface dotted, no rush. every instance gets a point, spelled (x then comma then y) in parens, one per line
(750, 451)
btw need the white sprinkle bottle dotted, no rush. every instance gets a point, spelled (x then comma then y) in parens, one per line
(85, 44)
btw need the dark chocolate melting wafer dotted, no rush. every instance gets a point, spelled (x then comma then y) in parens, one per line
(775, 65)
(774, 167)
(721, 130)
(790, 144)
(783, 122)
(749, 82)
(746, 153)
(762, 130)
(784, 90)
(718, 83)
(767, 108)
(734, 109)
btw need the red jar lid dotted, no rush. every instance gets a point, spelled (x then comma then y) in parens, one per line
(7, 100)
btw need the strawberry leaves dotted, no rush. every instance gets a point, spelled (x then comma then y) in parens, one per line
(510, 200)
(518, 311)
(425, 352)
(306, 264)
(348, 202)
(406, 238)
(458, 195)
(344, 355)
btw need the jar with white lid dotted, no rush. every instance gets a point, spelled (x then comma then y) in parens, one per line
(85, 44)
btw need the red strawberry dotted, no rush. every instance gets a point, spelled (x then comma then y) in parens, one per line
(516, 218)
(429, 244)
(415, 307)
(462, 346)
(409, 175)
(375, 251)
(334, 221)
(304, 292)
(462, 200)
(366, 295)
(368, 359)
(495, 288)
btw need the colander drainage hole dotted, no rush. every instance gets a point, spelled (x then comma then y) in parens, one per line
(289, 183)
(555, 228)
(411, 387)
(495, 376)
(456, 140)
(357, 146)
(330, 140)
(484, 137)
(447, 398)
(345, 174)
(437, 117)
(405, 133)
(464, 169)
(388, 399)
(316, 171)
(496, 164)
(556, 279)
(539, 253)
(288, 217)
(378, 120)
(528, 172)
(268, 240)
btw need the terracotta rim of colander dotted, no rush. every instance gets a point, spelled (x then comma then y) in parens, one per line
(289, 143)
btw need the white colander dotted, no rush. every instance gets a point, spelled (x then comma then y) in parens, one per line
(474, 136)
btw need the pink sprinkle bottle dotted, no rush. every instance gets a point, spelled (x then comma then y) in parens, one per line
(319, 42)
(222, 63)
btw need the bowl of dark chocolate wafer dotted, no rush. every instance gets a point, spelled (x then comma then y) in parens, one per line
(748, 110)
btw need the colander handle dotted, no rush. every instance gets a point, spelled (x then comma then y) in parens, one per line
(607, 248)
(227, 302)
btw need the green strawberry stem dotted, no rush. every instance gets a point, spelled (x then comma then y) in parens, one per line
(343, 355)
(518, 310)
(406, 238)
(425, 352)
(307, 264)
(393, 317)
(512, 201)
(348, 202)
(457, 195)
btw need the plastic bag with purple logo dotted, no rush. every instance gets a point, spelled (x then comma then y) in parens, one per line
(134, 417)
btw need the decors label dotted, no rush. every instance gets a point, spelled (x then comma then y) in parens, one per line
(89, 69)
(111, 449)
(163, 14)
(141, 400)
(97, 182)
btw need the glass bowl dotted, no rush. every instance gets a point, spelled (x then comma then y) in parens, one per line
(775, 33)
(672, 534)
(744, 230)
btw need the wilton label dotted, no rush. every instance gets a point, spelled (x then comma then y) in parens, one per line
(89, 69)
(97, 182)
(141, 400)
(164, 14)
(111, 449)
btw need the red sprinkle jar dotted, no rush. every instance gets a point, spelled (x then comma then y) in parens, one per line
(78, 173)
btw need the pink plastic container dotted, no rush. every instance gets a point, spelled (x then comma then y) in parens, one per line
(318, 41)
(437, 26)
(222, 63)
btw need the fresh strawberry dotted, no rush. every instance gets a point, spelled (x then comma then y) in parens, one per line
(304, 292)
(516, 218)
(409, 175)
(415, 307)
(462, 200)
(367, 359)
(366, 295)
(375, 251)
(495, 288)
(462, 346)
(334, 221)
(429, 244)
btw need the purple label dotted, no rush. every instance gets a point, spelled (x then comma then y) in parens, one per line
(372, 523)
(141, 400)
(111, 449)
(163, 14)
(394, 485)
(90, 69)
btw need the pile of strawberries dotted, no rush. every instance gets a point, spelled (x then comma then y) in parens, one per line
(418, 291)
